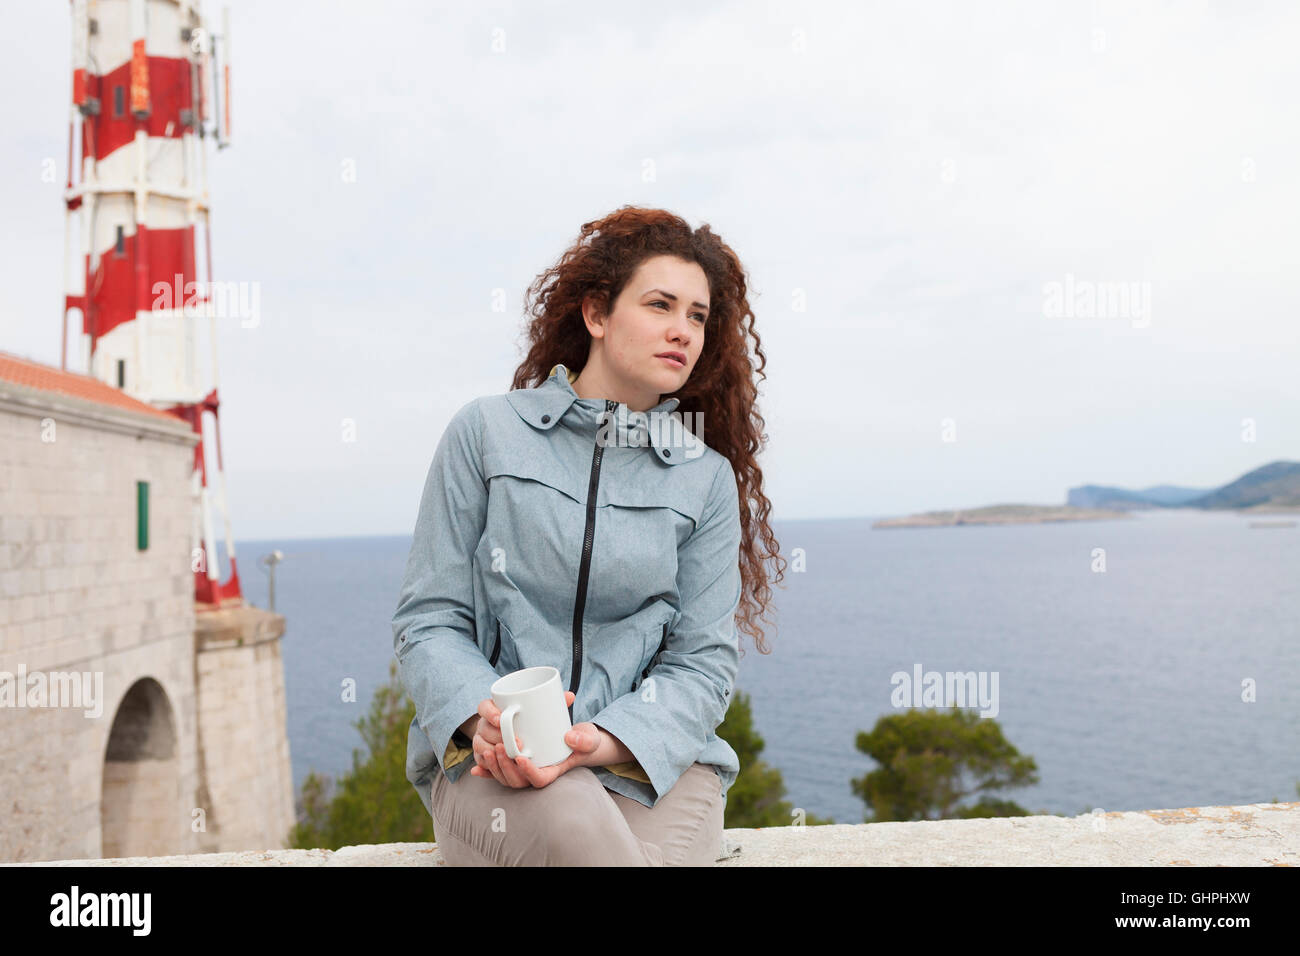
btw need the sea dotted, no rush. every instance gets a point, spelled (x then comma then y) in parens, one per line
(1149, 662)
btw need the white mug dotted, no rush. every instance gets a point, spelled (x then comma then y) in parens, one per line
(533, 709)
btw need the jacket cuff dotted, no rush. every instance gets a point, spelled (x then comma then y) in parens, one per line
(439, 709)
(456, 751)
(446, 720)
(648, 753)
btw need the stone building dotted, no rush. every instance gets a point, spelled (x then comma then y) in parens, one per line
(133, 722)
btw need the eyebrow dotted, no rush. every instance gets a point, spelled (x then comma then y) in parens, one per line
(669, 295)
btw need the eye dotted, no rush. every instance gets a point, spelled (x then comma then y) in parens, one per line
(702, 317)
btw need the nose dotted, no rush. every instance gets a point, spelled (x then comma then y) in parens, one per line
(680, 332)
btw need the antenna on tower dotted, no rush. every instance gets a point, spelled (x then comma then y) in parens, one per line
(221, 80)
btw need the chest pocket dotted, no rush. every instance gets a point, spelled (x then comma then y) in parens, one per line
(531, 543)
(641, 527)
(537, 468)
(644, 493)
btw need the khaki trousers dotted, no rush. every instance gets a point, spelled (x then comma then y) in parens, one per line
(575, 821)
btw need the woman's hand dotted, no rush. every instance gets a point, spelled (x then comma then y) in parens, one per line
(490, 753)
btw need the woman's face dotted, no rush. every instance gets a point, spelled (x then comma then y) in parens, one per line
(663, 308)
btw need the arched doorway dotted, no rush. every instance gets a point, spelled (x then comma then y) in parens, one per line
(140, 806)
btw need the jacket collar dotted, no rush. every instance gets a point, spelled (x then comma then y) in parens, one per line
(544, 405)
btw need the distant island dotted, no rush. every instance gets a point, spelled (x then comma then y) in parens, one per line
(1272, 488)
(1001, 514)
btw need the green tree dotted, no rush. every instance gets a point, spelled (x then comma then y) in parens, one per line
(931, 760)
(754, 800)
(374, 803)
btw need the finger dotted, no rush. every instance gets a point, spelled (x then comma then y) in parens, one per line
(489, 711)
(480, 758)
(541, 776)
(494, 768)
(486, 757)
(585, 743)
(510, 769)
(485, 739)
(527, 769)
(569, 697)
(513, 777)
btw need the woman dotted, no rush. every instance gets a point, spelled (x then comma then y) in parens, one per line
(573, 522)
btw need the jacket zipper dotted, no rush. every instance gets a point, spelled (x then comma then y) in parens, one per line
(496, 651)
(584, 569)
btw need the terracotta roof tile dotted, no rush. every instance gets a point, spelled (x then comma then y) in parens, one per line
(25, 372)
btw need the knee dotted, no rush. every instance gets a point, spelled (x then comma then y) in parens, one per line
(573, 822)
(571, 837)
(569, 822)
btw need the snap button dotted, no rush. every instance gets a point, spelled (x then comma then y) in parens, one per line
(667, 453)
(545, 419)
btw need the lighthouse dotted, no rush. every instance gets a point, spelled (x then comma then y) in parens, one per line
(169, 732)
(150, 100)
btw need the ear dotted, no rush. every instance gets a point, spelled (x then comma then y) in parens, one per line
(593, 316)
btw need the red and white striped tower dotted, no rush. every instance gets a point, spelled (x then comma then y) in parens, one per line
(150, 89)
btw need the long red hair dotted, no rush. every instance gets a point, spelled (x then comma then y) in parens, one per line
(722, 385)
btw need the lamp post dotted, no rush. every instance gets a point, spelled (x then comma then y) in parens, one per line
(270, 561)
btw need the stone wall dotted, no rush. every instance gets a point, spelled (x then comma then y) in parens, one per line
(1257, 834)
(242, 718)
(79, 599)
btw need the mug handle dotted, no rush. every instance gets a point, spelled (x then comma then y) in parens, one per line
(508, 734)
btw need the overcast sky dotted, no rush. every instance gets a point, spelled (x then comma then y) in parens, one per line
(904, 183)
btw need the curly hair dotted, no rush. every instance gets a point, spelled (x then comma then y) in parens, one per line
(721, 387)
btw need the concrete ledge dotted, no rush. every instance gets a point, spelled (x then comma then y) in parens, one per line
(1258, 834)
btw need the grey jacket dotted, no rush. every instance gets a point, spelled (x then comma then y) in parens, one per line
(573, 532)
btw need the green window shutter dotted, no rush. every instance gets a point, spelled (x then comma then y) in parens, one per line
(142, 515)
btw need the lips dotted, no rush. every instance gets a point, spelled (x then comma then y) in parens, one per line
(676, 358)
